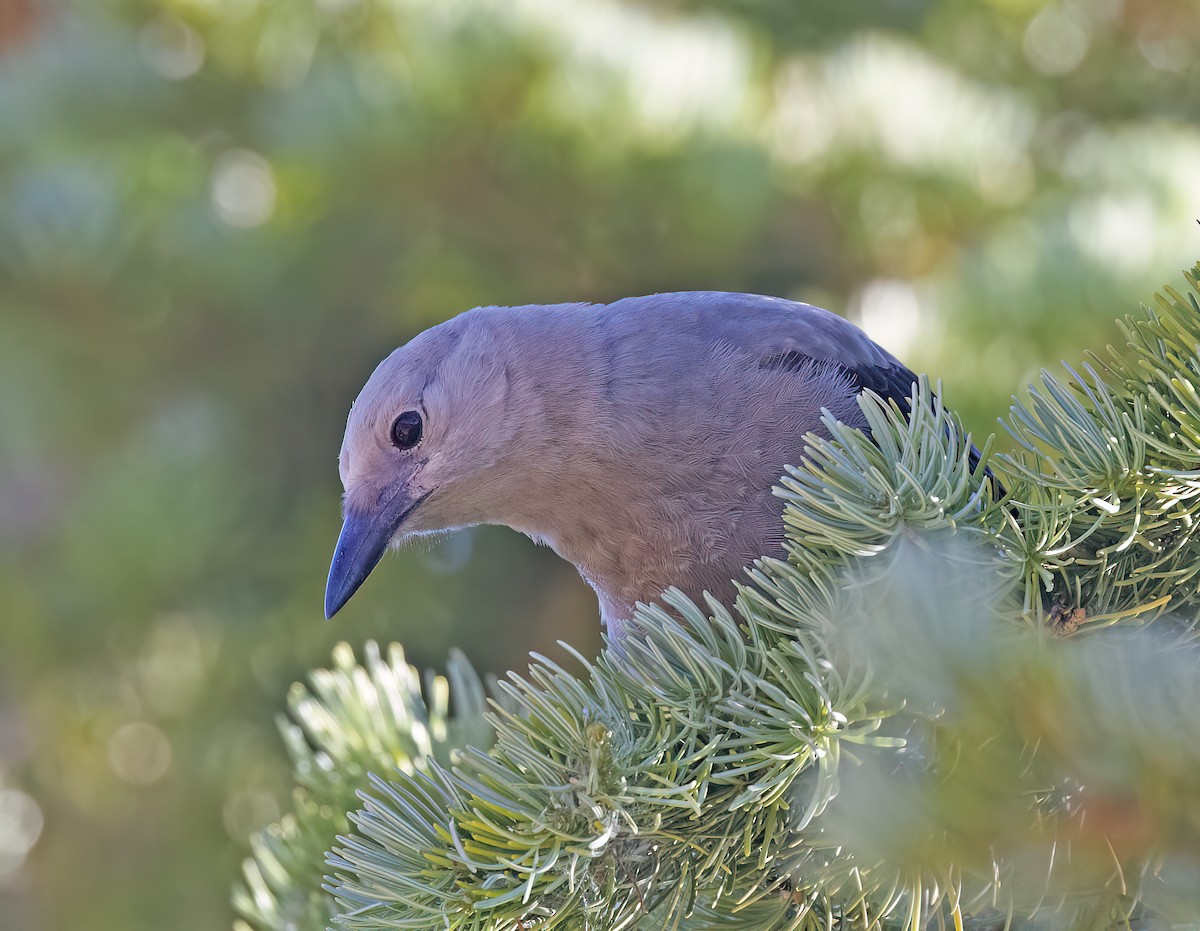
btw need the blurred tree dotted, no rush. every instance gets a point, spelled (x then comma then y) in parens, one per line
(217, 215)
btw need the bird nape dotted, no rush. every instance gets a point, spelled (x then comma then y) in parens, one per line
(639, 439)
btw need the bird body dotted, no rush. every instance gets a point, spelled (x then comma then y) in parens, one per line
(639, 439)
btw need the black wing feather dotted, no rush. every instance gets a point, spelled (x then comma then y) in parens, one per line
(892, 383)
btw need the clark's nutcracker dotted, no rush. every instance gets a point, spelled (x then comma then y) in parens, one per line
(639, 440)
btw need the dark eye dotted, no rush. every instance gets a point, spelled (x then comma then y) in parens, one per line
(406, 430)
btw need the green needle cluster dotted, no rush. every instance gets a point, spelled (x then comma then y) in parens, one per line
(945, 708)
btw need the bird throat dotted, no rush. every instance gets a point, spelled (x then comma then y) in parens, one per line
(632, 551)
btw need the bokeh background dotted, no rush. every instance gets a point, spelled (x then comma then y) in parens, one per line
(216, 216)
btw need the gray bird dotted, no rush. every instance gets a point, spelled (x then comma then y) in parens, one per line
(639, 440)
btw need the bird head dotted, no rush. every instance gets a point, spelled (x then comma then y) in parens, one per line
(428, 424)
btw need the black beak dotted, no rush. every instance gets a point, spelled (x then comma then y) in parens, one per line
(363, 541)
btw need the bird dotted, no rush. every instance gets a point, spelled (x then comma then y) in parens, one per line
(638, 439)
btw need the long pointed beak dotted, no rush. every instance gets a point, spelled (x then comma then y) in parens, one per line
(363, 541)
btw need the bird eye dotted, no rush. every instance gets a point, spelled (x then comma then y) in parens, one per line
(406, 430)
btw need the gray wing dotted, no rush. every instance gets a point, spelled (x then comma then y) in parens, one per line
(784, 334)
(781, 334)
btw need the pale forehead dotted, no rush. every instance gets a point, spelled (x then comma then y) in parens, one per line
(401, 379)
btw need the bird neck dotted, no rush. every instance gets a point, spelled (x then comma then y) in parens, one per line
(628, 546)
(610, 481)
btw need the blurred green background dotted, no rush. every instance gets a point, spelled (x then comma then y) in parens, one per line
(216, 216)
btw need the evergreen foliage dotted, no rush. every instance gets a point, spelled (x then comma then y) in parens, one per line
(921, 716)
(353, 720)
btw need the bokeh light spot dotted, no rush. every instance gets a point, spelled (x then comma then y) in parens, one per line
(173, 668)
(1116, 231)
(21, 824)
(247, 811)
(1056, 41)
(889, 312)
(243, 188)
(139, 753)
(1164, 52)
(171, 48)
